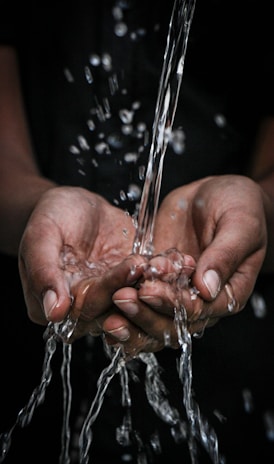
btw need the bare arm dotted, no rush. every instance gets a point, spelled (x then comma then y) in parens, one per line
(21, 184)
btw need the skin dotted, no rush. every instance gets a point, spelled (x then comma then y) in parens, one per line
(208, 233)
(75, 249)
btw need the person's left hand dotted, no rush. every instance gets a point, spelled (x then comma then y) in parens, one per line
(220, 222)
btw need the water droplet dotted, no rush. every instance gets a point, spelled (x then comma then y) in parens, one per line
(106, 62)
(81, 172)
(167, 338)
(94, 162)
(248, 400)
(141, 32)
(177, 141)
(123, 195)
(68, 75)
(115, 140)
(131, 157)
(95, 59)
(120, 29)
(259, 305)
(127, 457)
(91, 124)
(220, 120)
(269, 424)
(141, 126)
(199, 203)
(136, 105)
(219, 416)
(74, 150)
(142, 171)
(127, 129)
(102, 148)
(134, 192)
(133, 36)
(126, 116)
(88, 75)
(117, 13)
(83, 143)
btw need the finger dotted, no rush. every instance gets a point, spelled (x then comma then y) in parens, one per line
(231, 252)
(119, 330)
(163, 298)
(226, 303)
(93, 296)
(156, 325)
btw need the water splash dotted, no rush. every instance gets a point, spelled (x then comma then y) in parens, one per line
(123, 433)
(200, 430)
(156, 391)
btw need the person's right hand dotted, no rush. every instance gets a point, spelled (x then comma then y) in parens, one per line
(74, 254)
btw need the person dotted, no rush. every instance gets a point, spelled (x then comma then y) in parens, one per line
(77, 107)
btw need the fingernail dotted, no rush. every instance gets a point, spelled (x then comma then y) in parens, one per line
(49, 302)
(212, 282)
(122, 333)
(128, 306)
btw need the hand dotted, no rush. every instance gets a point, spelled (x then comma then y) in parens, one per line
(221, 222)
(151, 327)
(74, 254)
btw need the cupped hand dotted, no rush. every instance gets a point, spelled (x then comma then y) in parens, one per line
(74, 254)
(221, 223)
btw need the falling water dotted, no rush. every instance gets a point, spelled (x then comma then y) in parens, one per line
(103, 382)
(67, 398)
(169, 88)
(200, 429)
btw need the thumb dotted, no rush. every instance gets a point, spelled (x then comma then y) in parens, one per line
(45, 287)
(226, 254)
